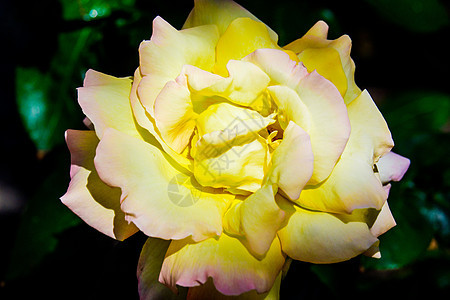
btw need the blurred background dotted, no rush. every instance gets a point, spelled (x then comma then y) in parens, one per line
(400, 48)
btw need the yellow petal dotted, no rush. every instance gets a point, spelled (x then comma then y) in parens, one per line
(88, 196)
(146, 121)
(326, 62)
(163, 57)
(353, 184)
(292, 161)
(239, 167)
(320, 237)
(384, 221)
(105, 101)
(290, 107)
(316, 39)
(243, 86)
(157, 196)
(233, 269)
(241, 38)
(278, 65)
(328, 127)
(258, 218)
(221, 13)
(174, 115)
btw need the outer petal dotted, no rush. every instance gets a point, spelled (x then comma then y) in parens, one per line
(330, 128)
(353, 184)
(207, 291)
(241, 38)
(392, 167)
(163, 57)
(105, 101)
(191, 264)
(384, 221)
(320, 237)
(89, 197)
(315, 40)
(161, 200)
(149, 267)
(221, 13)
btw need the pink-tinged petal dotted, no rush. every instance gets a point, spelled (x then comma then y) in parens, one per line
(156, 195)
(353, 184)
(392, 167)
(320, 237)
(105, 101)
(330, 128)
(149, 266)
(233, 269)
(220, 13)
(88, 196)
(163, 57)
(207, 291)
(384, 221)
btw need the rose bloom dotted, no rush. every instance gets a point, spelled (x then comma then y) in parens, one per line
(233, 155)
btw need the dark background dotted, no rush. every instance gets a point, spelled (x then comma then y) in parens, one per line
(401, 53)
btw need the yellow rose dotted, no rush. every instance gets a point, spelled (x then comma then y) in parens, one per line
(233, 153)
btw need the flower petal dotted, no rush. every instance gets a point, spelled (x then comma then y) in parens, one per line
(326, 62)
(329, 127)
(163, 57)
(174, 115)
(221, 13)
(320, 237)
(207, 291)
(149, 266)
(105, 101)
(315, 40)
(384, 221)
(231, 166)
(277, 64)
(292, 161)
(353, 184)
(241, 38)
(258, 218)
(156, 195)
(255, 220)
(146, 121)
(191, 264)
(89, 197)
(392, 167)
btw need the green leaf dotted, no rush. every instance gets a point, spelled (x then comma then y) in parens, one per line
(45, 217)
(47, 99)
(415, 15)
